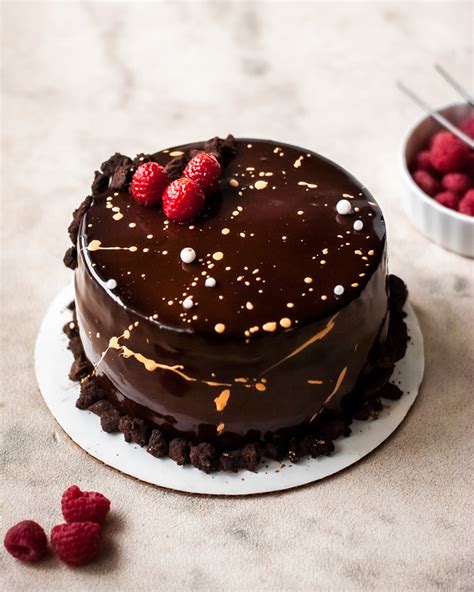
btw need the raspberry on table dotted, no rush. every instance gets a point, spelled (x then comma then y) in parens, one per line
(183, 199)
(447, 199)
(76, 543)
(427, 183)
(466, 205)
(148, 184)
(467, 126)
(456, 182)
(83, 506)
(205, 170)
(26, 541)
(448, 153)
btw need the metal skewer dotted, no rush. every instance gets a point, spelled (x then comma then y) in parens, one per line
(450, 80)
(436, 116)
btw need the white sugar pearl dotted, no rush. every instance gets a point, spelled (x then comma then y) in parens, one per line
(339, 290)
(358, 225)
(111, 284)
(210, 282)
(187, 255)
(344, 207)
(188, 302)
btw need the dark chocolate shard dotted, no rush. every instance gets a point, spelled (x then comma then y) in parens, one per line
(70, 258)
(100, 184)
(176, 166)
(76, 219)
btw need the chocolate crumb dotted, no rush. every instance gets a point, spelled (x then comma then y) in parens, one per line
(102, 406)
(158, 443)
(70, 258)
(80, 368)
(179, 451)
(203, 456)
(75, 345)
(77, 215)
(294, 451)
(275, 450)
(224, 150)
(368, 409)
(251, 456)
(391, 391)
(176, 166)
(315, 446)
(109, 419)
(230, 461)
(398, 293)
(134, 429)
(99, 184)
(71, 330)
(142, 158)
(331, 425)
(109, 166)
(91, 392)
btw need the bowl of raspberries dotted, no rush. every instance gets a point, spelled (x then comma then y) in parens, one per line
(438, 170)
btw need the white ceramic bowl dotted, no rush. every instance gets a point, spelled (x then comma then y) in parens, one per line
(448, 228)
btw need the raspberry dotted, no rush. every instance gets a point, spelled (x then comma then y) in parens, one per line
(427, 183)
(422, 161)
(467, 126)
(183, 199)
(76, 543)
(456, 182)
(447, 199)
(448, 153)
(84, 506)
(148, 184)
(26, 541)
(466, 205)
(205, 170)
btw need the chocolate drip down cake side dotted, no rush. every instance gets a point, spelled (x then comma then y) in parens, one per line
(232, 303)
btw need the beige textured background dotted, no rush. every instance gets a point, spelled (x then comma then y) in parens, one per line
(81, 81)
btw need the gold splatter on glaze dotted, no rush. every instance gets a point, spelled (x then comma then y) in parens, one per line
(222, 400)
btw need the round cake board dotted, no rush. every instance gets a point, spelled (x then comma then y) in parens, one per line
(53, 360)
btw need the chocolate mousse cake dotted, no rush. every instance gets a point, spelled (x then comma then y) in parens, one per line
(232, 302)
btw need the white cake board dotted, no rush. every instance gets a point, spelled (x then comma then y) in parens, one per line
(53, 360)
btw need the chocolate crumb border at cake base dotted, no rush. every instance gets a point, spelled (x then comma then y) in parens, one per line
(316, 439)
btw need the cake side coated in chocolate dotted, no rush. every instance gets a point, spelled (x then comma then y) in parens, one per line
(299, 301)
(313, 439)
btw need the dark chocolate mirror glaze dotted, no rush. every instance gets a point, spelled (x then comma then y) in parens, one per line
(267, 346)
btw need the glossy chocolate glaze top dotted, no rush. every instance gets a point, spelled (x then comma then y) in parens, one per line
(271, 238)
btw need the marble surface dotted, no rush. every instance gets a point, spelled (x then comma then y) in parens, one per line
(82, 80)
